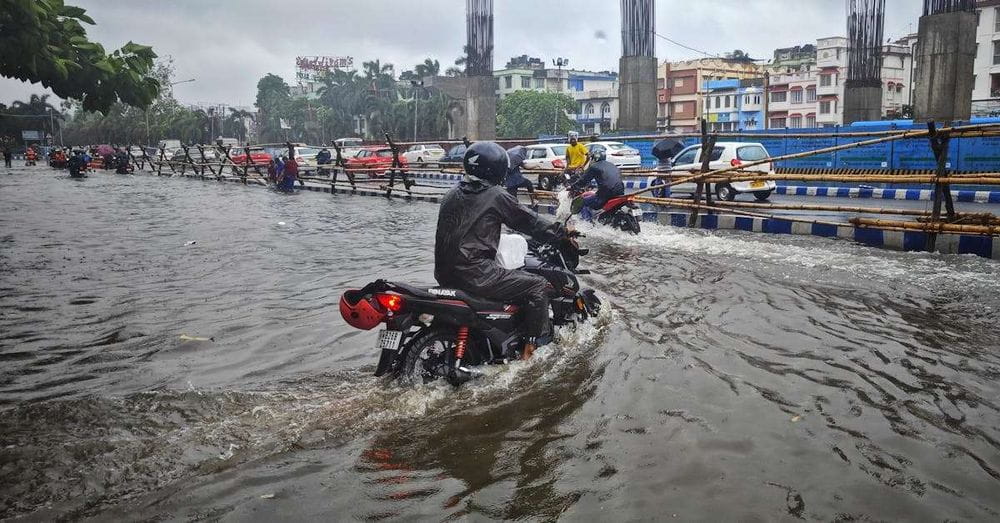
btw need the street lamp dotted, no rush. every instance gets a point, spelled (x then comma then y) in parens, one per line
(147, 110)
(559, 63)
(416, 99)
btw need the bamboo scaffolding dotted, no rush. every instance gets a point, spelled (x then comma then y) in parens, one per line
(932, 227)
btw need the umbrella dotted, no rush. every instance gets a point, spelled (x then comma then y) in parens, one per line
(667, 148)
(517, 155)
(105, 149)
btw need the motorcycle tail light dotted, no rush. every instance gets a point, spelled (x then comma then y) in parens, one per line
(390, 302)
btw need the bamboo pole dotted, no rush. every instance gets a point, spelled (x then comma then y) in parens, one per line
(930, 227)
(817, 207)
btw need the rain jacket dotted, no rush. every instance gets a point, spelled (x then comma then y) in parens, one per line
(607, 175)
(323, 157)
(468, 231)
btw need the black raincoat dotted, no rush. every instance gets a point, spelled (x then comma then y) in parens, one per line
(465, 248)
(608, 178)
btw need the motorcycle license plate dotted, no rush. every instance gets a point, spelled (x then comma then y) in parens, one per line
(758, 184)
(637, 213)
(388, 340)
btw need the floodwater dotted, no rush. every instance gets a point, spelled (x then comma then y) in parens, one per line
(733, 376)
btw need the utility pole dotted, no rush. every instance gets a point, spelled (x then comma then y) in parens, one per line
(767, 98)
(559, 63)
(416, 99)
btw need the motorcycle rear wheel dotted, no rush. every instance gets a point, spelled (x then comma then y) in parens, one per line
(431, 350)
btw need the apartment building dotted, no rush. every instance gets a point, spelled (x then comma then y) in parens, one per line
(986, 85)
(681, 89)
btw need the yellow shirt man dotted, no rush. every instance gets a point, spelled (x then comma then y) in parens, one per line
(576, 156)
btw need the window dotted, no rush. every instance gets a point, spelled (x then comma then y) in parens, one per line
(996, 20)
(508, 81)
(526, 82)
(825, 80)
(777, 123)
(810, 120)
(678, 82)
(538, 153)
(797, 96)
(589, 109)
(996, 52)
(751, 153)
(678, 107)
(718, 102)
(811, 95)
(727, 101)
(756, 99)
(779, 96)
(708, 103)
(559, 150)
(795, 122)
(824, 108)
(686, 157)
(539, 83)
(384, 154)
(606, 109)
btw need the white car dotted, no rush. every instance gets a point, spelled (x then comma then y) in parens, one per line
(623, 156)
(424, 153)
(727, 154)
(546, 156)
(348, 147)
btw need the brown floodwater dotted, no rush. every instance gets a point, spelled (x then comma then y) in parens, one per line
(732, 376)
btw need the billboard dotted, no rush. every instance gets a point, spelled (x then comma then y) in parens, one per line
(312, 68)
(31, 135)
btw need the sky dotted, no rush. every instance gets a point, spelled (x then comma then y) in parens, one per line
(226, 46)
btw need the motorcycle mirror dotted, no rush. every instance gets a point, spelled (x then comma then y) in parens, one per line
(576, 206)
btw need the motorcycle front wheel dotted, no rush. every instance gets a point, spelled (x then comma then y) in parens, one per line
(629, 223)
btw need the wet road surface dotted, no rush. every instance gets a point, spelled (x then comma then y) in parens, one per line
(734, 376)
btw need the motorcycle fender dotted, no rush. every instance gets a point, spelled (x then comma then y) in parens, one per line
(385, 361)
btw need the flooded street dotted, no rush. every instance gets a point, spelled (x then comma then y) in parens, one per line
(172, 349)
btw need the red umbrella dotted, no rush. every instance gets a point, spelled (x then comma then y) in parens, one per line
(105, 149)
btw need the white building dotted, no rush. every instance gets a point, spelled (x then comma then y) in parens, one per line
(986, 86)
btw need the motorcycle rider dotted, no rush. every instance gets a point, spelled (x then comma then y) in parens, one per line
(609, 182)
(323, 158)
(515, 179)
(468, 232)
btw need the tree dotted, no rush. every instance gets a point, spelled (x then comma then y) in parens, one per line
(454, 72)
(427, 69)
(523, 114)
(739, 55)
(273, 98)
(44, 41)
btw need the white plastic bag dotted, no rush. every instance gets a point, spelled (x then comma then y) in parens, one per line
(511, 251)
(565, 207)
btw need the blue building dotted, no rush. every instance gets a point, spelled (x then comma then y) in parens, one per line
(734, 105)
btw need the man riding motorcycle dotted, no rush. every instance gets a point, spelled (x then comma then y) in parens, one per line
(609, 183)
(468, 232)
(576, 157)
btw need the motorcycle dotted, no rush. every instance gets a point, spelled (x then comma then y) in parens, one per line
(621, 212)
(440, 333)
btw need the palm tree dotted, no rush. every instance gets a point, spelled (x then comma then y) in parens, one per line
(454, 72)
(428, 68)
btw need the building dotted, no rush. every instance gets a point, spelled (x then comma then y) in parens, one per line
(986, 85)
(681, 89)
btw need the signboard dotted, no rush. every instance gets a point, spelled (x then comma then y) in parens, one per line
(31, 135)
(312, 68)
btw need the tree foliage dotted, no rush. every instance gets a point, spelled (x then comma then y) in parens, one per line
(530, 113)
(45, 41)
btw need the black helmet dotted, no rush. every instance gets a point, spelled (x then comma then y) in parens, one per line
(486, 161)
(597, 154)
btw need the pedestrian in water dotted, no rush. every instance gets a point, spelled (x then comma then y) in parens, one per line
(8, 156)
(291, 173)
(515, 180)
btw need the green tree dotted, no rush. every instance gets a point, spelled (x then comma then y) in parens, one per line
(427, 69)
(44, 41)
(273, 98)
(523, 114)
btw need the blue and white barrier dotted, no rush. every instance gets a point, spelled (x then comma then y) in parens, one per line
(887, 194)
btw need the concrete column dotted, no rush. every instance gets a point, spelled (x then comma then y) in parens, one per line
(862, 104)
(946, 54)
(637, 94)
(481, 102)
(481, 107)
(637, 67)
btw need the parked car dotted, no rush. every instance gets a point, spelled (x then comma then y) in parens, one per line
(618, 153)
(546, 156)
(305, 156)
(453, 157)
(424, 153)
(379, 158)
(258, 156)
(728, 154)
(348, 147)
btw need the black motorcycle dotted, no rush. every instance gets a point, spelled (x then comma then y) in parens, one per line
(434, 333)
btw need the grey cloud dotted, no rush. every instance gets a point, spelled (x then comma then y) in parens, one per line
(227, 45)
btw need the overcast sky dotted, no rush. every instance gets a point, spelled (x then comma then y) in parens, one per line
(227, 45)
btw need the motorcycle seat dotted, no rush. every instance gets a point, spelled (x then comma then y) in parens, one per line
(477, 303)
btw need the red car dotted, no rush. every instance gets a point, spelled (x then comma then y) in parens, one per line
(258, 156)
(379, 158)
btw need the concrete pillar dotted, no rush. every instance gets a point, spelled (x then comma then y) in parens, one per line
(946, 54)
(862, 104)
(481, 102)
(637, 67)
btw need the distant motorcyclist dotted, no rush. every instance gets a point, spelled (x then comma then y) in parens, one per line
(468, 232)
(122, 163)
(609, 183)
(77, 165)
(515, 179)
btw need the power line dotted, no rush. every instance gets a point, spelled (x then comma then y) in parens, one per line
(689, 48)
